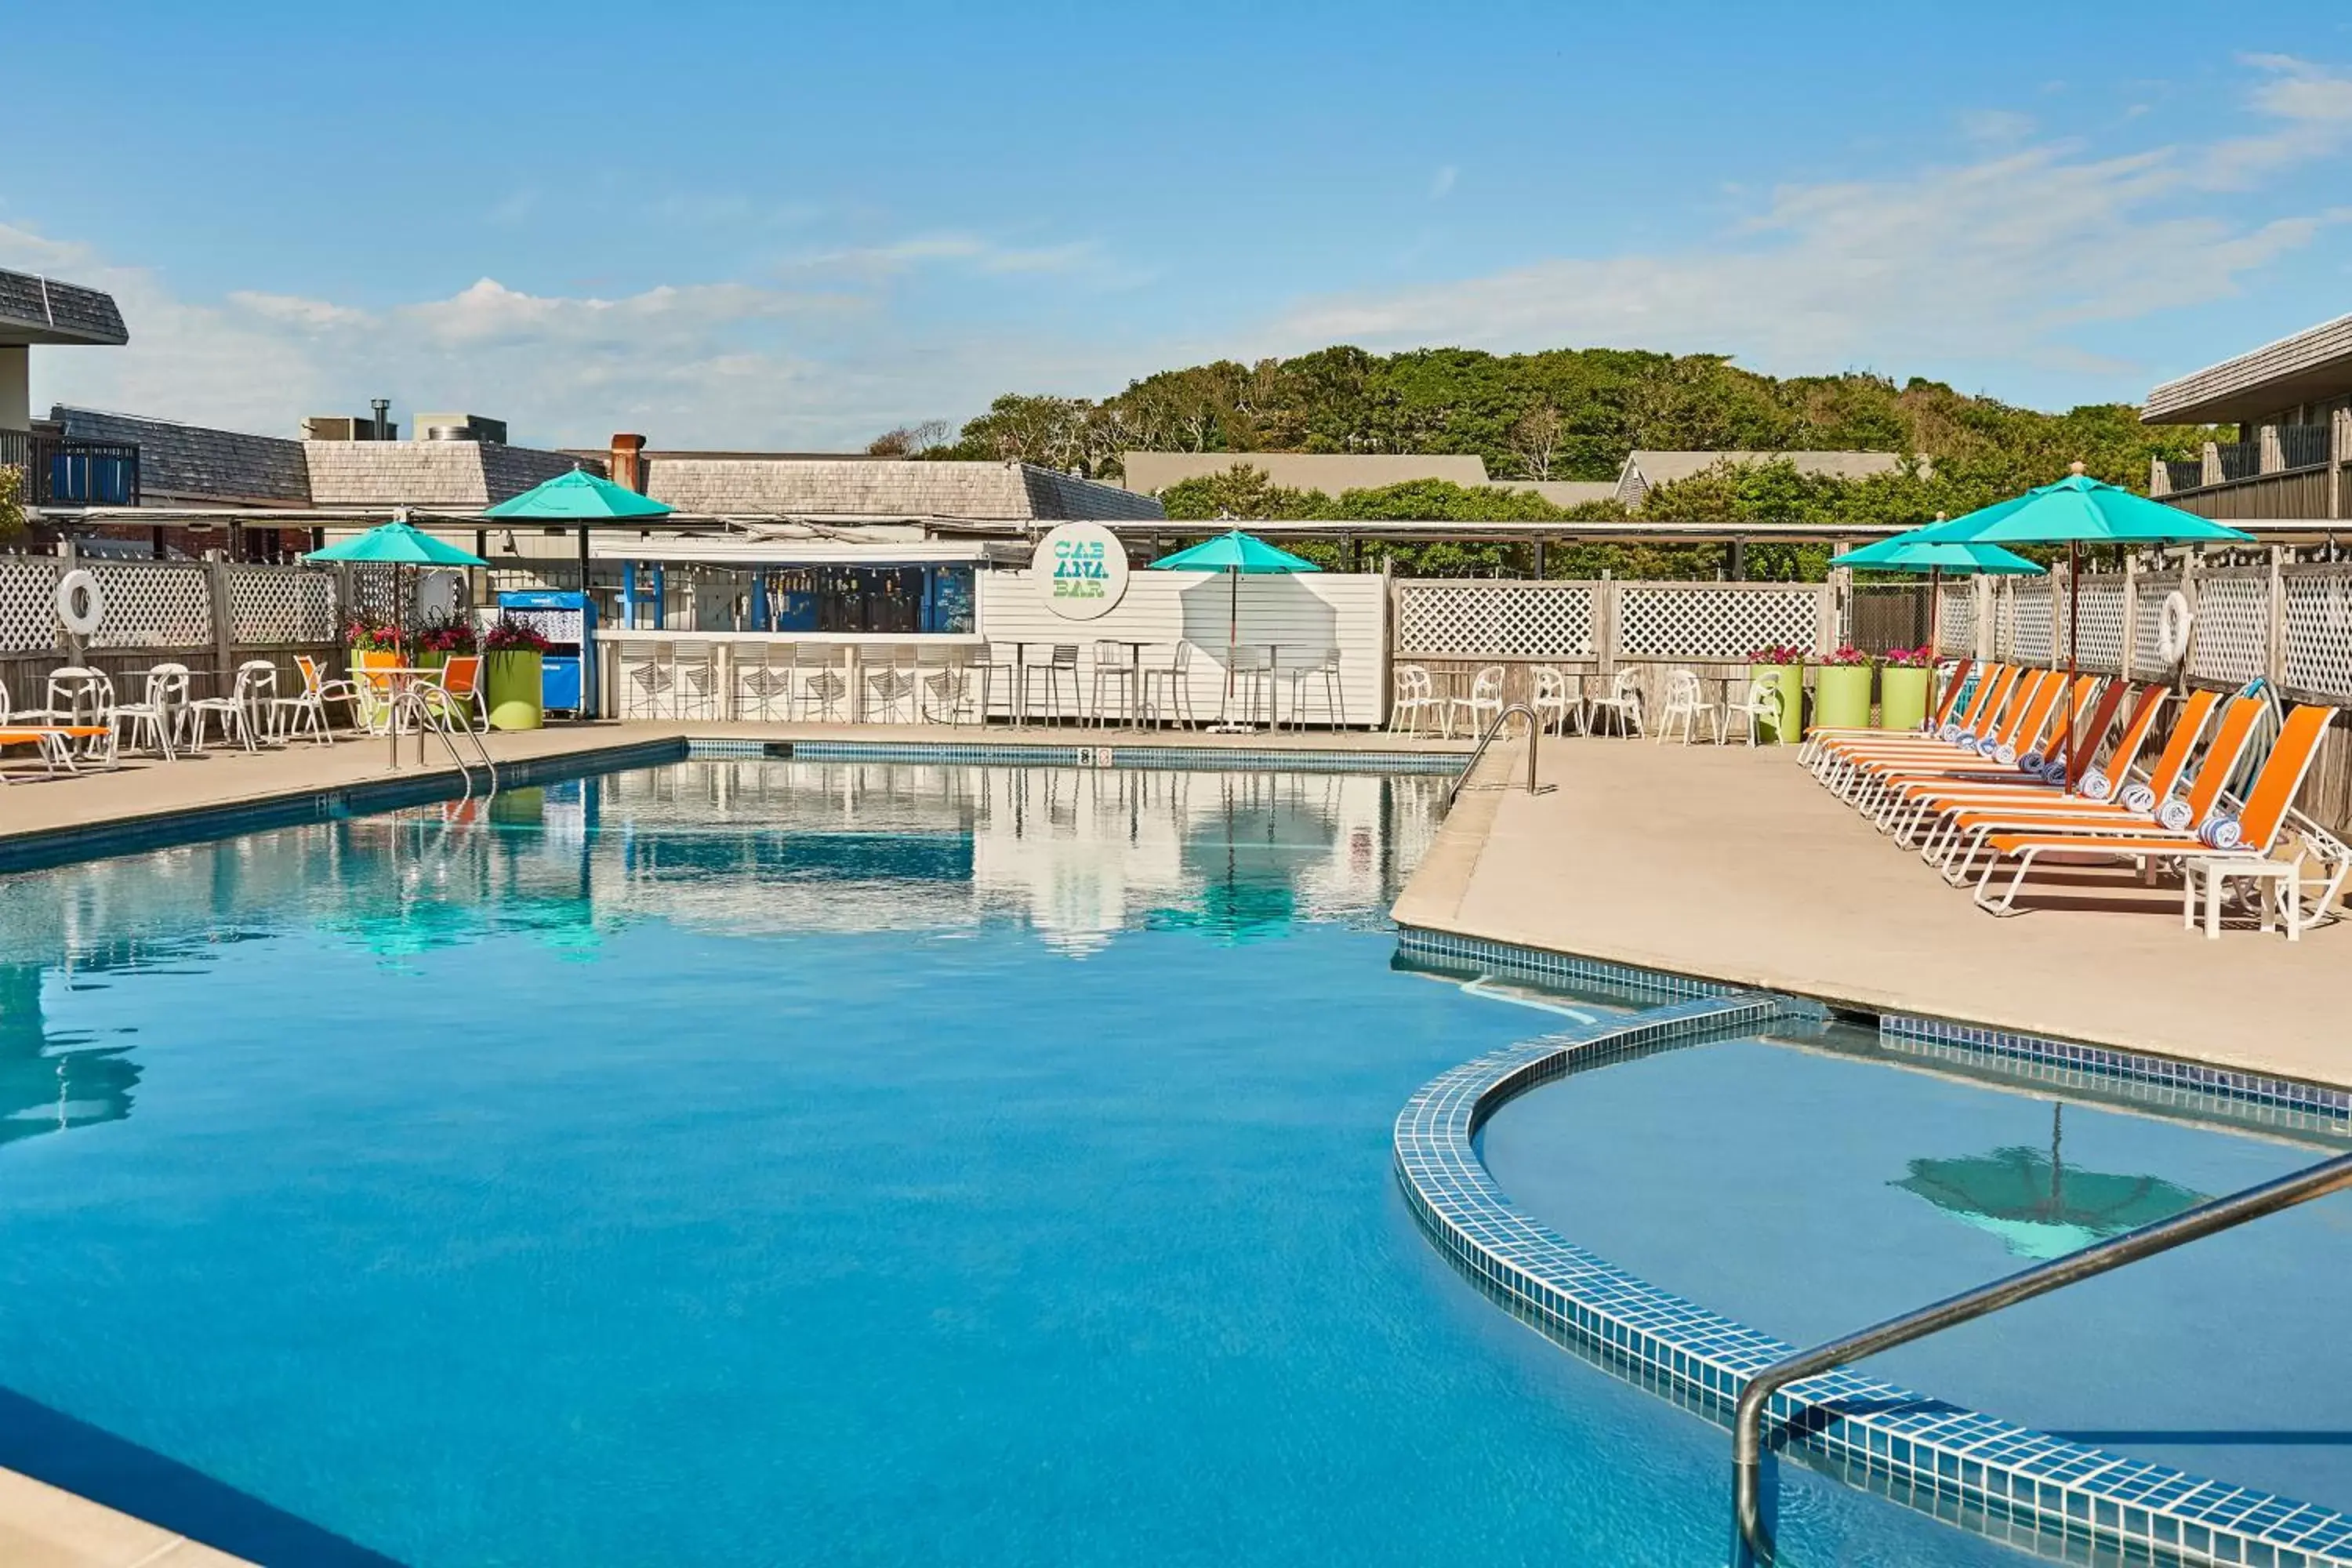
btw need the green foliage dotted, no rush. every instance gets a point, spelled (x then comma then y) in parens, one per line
(12, 502)
(1572, 414)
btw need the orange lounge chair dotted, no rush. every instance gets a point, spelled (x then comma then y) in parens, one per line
(1874, 778)
(2133, 810)
(1842, 747)
(1953, 683)
(51, 739)
(2256, 828)
(1923, 800)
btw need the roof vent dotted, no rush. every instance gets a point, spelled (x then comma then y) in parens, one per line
(461, 428)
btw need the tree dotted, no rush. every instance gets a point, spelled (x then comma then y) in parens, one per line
(12, 502)
(1534, 438)
(909, 440)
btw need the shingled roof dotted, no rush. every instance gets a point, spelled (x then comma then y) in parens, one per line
(460, 474)
(746, 486)
(36, 310)
(193, 464)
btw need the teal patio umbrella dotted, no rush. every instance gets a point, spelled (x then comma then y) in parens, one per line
(1237, 554)
(577, 497)
(2077, 510)
(1907, 552)
(398, 545)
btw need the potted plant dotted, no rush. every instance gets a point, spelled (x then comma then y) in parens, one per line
(513, 652)
(442, 639)
(1902, 677)
(1841, 690)
(1787, 665)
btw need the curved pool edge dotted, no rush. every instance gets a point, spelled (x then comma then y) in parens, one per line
(2026, 1487)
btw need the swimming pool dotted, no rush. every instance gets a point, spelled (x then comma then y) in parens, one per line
(786, 1162)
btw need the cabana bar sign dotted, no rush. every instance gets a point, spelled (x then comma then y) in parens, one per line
(1081, 568)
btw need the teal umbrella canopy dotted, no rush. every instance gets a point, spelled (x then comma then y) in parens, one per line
(2079, 510)
(1233, 552)
(397, 544)
(1908, 553)
(577, 497)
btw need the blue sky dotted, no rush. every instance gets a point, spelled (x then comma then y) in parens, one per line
(798, 225)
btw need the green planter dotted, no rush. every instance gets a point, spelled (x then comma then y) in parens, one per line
(429, 659)
(1901, 697)
(510, 681)
(1783, 731)
(1841, 697)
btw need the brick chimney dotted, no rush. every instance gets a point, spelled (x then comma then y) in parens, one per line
(627, 467)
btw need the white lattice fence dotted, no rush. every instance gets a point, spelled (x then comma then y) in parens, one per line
(153, 604)
(2233, 629)
(28, 616)
(280, 605)
(2318, 612)
(2033, 624)
(2099, 609)
(1538, 620)
(1956, 620)
(2147, 625)
(1725, 623)
(377, 590)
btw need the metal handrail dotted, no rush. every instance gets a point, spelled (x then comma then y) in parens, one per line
(429, 719)
(2205, 1219)
(1535, 732)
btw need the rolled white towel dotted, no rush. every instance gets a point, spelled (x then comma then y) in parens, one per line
(2005, 755)
(2175, 816)
(2140, 798)
(2220, 832)
(2054, 771)
(2097, 786)
(2031, 762)
(1950, 731)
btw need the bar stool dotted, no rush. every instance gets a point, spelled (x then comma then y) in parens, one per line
(1325, 668)
(1252, 678)
(653, 685)
(1118, 666)
(892, 686)
(989, 663)
(823, 686)
(696, 667)
(1063, 659)
(760, 683)
(1173, 681)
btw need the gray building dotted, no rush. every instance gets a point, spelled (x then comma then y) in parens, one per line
(2291, 403)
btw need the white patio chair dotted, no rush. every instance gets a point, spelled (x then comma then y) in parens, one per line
(1414, 709)
(56, 755)
(1555, 701)
(1762, 702)
(823, 688)
(1624, 703)
(1168, 688)
(158, 715)
(239, 711)
(1249, 685)
(305, 713)
(1483, 706)
(1686, 706)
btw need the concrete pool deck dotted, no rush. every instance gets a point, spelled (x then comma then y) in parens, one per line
(1733, 865)
(43, 1527)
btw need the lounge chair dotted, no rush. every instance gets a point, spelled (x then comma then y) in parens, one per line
(1908, 803)
(1954, 842)
(2252, 833)
(1870, 779)
(1994, 682)
(2003, 694)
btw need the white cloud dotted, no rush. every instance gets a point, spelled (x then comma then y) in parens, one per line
(1441, 184)
(1993, 261)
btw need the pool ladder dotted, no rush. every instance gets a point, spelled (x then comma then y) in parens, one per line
(433, 717)
(2205, 1219)
(1493, 728)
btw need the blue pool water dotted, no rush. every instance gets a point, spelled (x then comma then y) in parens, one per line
(780, 1163)
(1809, 1190)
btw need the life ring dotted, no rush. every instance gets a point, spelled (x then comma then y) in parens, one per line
(2172, 629)
(80, 605)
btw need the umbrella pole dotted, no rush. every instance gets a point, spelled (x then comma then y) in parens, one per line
(1233, 635)
(392, 683)
(2073, 651)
